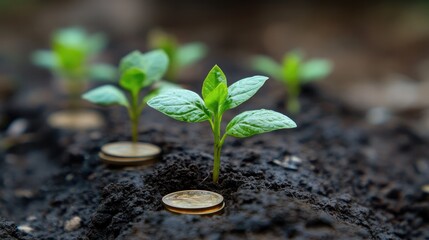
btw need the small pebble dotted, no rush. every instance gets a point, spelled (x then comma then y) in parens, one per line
(31, 218)
(25, 228)
(289, 162)
(378, 115)
(17, 127)
(72, 224)
(69, 177)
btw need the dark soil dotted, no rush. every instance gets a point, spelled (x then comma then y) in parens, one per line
(356, 181)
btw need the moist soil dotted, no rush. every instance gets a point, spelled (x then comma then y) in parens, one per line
(355, 180)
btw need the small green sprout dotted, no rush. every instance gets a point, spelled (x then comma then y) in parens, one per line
(187, 106)
(73, 49)
(180, 56)
(293, 72)
(138, 71)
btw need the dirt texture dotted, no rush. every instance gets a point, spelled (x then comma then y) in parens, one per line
(355, 181)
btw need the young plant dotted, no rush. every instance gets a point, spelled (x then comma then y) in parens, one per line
(187, 106)
(138, 71)
(180, 56)
(70, 59)
(293, 72)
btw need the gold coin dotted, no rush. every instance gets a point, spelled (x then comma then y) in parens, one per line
(203, 211)
(76, 119)
(131, 150)
(121, 161)
(192, 200)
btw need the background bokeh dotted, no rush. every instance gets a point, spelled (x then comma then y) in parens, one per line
(380, 50)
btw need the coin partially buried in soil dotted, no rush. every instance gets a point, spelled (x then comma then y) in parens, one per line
(76, 120)
(194, 202)
(129, 153)
(131, 150)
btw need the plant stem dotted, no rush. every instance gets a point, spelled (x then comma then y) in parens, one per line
(218, 142)
(134, 113)
(293, 105)
(75, 88)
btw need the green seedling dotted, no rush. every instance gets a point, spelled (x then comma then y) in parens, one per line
(70, 59)
(293, 72)
(187, 106)
(138, 71)
(180, 56)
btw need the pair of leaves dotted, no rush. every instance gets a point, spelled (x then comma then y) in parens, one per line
(138, 71)
(293, 68)
(73, 47)
(187, 106)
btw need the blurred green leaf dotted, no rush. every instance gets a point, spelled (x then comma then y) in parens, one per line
(45, 58)
(106, 95)
(102, 72)
(267, 66)
(190, 53)
(133, 80)
(153, 63)
(315, 69)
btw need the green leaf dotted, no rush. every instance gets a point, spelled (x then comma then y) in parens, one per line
(244, 89)
(215, 100)
(159, 88)
(190, 53)
(132, 80)
(182, 105)
(213, 79)
(106, 96)
(315, 69)
(267, 66)
(46, 59)
(132, 59)
(102, 72)
(255, 122)
(154, 64)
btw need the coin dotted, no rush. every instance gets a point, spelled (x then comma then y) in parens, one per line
(131, 150)
(76, 120)
(203, 211)
(126, 161)
(193, 202)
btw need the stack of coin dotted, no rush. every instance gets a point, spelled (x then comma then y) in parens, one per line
(197, 202)
(129, 153)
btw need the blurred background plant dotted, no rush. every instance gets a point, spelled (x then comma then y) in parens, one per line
(379, 49)
(71, 59)
(293, 72)
(181, 56)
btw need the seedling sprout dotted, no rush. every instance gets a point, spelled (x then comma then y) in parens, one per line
(293, 72)
(185, 105)
(70, 59)
(181, 56)
(138, 71)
